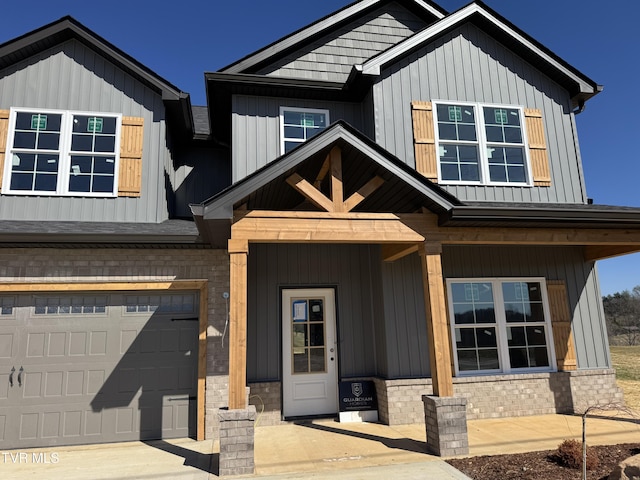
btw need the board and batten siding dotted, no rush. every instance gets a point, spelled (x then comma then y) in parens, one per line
(468, 65)
(552, 263)
(256, 127)
(332, 56)
(71, 76)
(352, 269)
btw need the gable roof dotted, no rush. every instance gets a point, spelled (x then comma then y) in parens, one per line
(177, 102)
(579, 85)
(404, 190)
(424, 8)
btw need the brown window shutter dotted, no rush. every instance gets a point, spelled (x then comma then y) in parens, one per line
(424, 139)
(537, 148)
(130, 176)
(4, 130)
(561, 325)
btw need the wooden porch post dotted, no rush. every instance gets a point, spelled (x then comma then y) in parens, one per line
(437, 329)
(238, 251)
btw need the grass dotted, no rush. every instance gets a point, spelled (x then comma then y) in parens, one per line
(626, 361)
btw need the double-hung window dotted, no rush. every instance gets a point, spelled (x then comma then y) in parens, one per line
(481, 144)
(297, 125)
(500, 325)
(55, 152)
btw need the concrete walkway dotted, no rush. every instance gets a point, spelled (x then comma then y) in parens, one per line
(322, 449)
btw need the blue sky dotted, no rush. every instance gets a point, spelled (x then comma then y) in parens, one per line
(181, 40)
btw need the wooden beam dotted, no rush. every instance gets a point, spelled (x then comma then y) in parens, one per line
(323, 172)
(391, 253)
(437, 328)
(202, 286)
(324, 230)
(337, 192)
(310, 192)
(362, 193)
(593, 253)
(238, 251)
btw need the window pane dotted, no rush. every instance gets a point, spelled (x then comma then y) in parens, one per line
(465, 338)
(502, 125)
(486, 337)
(24, 140)
(488, 359)
(518, 357)
(516, 337)
(80, 183)
(102, 184)
(317, 360)
(299, 337)
(456, 122)
(535, 336)
(463, 313)
(82, 143)
(21, 181)
(104, 165)
(48, 141)
(467, 360)
(301, 362)
(538, 357)
(105, 144)
(316, 310)
(46, 182)
(316, 336)
(293, 132)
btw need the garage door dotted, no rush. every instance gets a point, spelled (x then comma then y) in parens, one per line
(93, 368)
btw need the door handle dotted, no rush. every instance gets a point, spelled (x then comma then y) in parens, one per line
(20, 372)
(13, 369)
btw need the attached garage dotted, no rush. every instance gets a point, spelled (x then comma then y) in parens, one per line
(93, 367)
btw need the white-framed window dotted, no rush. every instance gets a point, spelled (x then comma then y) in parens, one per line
(500, 325)
(60, 152)
(297, 125)
(481, 144)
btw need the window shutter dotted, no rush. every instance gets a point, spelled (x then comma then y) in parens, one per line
(424, 139)
(561, 325)
(537, 148)
(4, 130)
(130, 173)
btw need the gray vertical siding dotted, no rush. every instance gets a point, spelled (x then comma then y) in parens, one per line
(331, 57)
(352, 269)
(258, 118)
(554, 263)
(405, 319)
(71, 76)
(468, 65)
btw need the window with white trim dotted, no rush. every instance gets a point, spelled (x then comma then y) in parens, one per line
(56, 152)
(481, 144)
(297, 125)
(500, 325)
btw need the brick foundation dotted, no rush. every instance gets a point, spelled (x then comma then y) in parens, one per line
(267, 399)
(237, 432)
(501, 396)
(446, 425)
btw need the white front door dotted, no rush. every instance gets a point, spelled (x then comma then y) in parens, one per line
(309, 353)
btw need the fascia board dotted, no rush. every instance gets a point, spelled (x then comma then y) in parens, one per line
(373, 66)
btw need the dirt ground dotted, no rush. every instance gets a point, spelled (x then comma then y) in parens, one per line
(541, 465)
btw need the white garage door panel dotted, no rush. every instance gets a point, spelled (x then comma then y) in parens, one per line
(97, 368)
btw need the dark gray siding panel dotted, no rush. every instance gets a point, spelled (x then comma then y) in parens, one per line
(405, 319)
(352, 269)
(256, 121)
(468, 65)
(73, 77)
(331, 57)
(554, 263)
(200, 174)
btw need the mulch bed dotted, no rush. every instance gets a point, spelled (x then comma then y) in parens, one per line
(541, 465)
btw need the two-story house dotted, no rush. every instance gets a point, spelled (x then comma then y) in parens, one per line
(391, 194)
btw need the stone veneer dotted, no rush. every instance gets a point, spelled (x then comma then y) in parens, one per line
(499, 396)
(237, 433)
